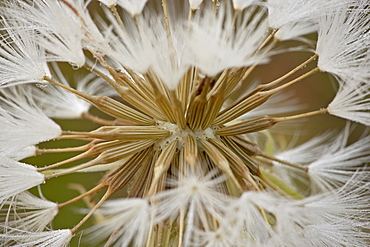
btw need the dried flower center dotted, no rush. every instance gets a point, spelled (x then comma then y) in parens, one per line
(180, 135)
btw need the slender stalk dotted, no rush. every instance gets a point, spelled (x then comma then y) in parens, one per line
(64, 150)
(308, 114)
(264, 155)
(215, 5)
(98, 119)
(271, 185)
(74, 169)
(99, 73)
(117, 16)
(165, 14)
(271, 35)
(92, 211)
(77, 157)
(77, 198)
(74, 137)
(302, 65)
(275, 90)
(181, 226)
(111, 237)
(278, 185)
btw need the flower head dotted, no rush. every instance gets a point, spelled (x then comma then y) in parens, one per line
(185, 139)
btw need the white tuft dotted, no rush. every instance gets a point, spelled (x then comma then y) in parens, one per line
(194, 4)
(337, 218)
(197, 196)
(283, 12)
(169, 65)
(92, 38)
(352, 101)
(132, 50)
(134, 7)
(150, 48)
(339, 162)
(343, 42)
(293, 31)
(23, 153)
(301, 155)
(220, 237)
(242, 4)
(59, 31)
(16, 177)
(19, 238)
(128, 220)
(216, 44)
(29, 213)
(21, 58)
(22, 123)
(245, 221)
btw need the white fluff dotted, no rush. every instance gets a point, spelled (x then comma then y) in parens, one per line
(343, 42)
(352, 101)
(301, 155)
(215, 44)
(337, 218)
(59, 31)
(242, 4)
(197, 196)
(194, 4)
(92, 39)
(21, 58)
(283, 12)
(216, 238)
(28, 212)
(22, 123)
(23, 153)
(191, 190)
(245, 214)
(148, 47)
(134, 7)
(338, 163)
(295, 30)
(16, 177)
(56, 238)
(128, 219)
(331, 219)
